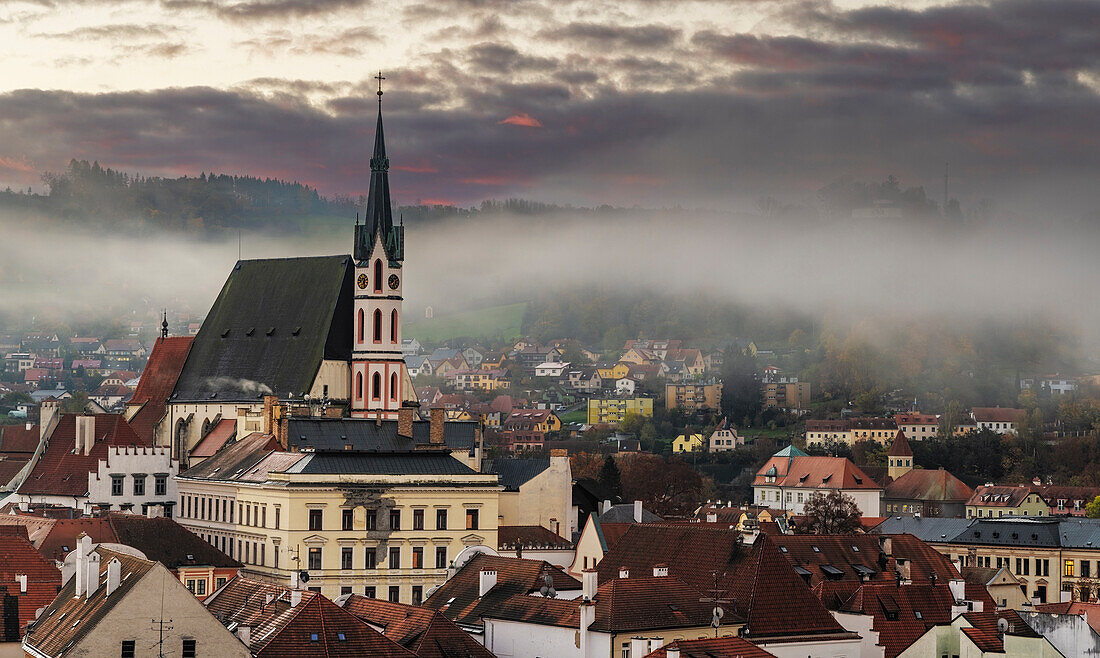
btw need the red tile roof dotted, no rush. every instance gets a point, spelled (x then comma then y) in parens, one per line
(425, 632)
(998, 415)
(216, 438)
(900, 446)
(458, 600)
(713, 647)
(1091, 611)
(815, 472)
(1000, 495)
(60, 472)
(17, 438)
(921, 484)
(158, 381)
(509, 537)
(43, 578)
(279, 630)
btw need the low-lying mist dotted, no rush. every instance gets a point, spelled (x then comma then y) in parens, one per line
(853, 269)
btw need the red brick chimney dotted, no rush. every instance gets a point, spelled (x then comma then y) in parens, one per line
(270, 402)
(405, 417)
(437, 415)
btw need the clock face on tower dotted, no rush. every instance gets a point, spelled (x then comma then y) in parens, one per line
(362, 281)
(394, 282)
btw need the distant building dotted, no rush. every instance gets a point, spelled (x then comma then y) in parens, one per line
(724, 438)
(992, 501)
(694, 397)
(791, 477)
(917, 427)
(688, 443)
(998, 419)
(613, 410)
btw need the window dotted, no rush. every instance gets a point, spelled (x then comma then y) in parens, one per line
(395, 557)
(378, 325)
(315, 519)
(395, 519)
(1067, 568)
(248, 515)
(360, 325)
(139, 485)
(376, 386)
(395, 593)
(418, 557)
(418, 519)
(1086, 569)
(393, 326)
(345, 519)
(372, 519)
(263, 511)
(440, 557)
(358, 386)
(116, 485)
(160, 485)
(218, 583)
(393, 386)
(276, 518)
(314, 558)
(471, 519)
(1041, 593)
(371, 559)
(441, 519)
(128, 649)
(378, 275)
(200, 588)
(370, 592)
(345, 557)
(346, 589)
(417, 594)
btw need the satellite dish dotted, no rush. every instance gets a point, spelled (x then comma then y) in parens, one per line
(303, 576)
(1002, 625)
(719, 612)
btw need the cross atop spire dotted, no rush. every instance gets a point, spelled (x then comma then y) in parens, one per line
(379, 78)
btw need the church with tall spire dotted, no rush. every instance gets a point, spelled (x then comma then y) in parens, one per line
(379, 380)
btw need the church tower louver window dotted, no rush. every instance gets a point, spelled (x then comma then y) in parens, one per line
(379, 254)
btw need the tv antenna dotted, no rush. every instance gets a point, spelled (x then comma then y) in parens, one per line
(716, 600)
(160, 625)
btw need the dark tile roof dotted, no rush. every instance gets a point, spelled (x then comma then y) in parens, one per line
(929, 529)
(60, 472)
(364, 434)
(509, 537)
(56, 627)
(997, 532)
(514, 473)
(859, 558)
(635, 604)
(272, 324)
(43, 579)
(365, 463)
(235, 459)
(713, 647)
(624, 513)
(998, 414)
(895, 609)
(157, 382)
(17, 438)
(458, 600)
(279, 630)
(425, 632)
(920, 484)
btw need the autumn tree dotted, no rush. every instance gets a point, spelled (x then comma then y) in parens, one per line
(830, 514)
(585, 465)
(1092, 510)
(668, 487)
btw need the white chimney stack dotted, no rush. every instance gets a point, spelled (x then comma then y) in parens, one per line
(295, 598)
(672, 653)
(487, 579)
(639, 647)
(83, 547)
(637, 511)
(624, 572)
(712, 517)
(22, 578)
(114, 575)
(93, 573)
(958, 588)
(85, 434)
(606, 506)
(47, 414)
(590, 581)
(244, 634)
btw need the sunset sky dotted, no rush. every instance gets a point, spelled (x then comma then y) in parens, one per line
(628, 102)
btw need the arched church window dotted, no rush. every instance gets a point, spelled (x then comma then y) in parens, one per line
(359, 385)
(393, 386)
(377, 325)
(360, 325)
(378, 275)
(376, 386)
(393, 326)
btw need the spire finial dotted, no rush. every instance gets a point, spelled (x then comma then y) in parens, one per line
(379, 78)
(164, 325)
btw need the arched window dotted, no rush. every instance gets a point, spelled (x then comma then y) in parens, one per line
(358, 386)
(378, 275)
(393, 386)
(376, 386)
(377, 325)
(360, 325)
(393, 326)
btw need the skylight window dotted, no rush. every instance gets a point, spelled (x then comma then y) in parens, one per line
(341, 637)
(816, 549)
(313, 637)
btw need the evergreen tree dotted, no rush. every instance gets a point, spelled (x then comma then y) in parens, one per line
(610, 478)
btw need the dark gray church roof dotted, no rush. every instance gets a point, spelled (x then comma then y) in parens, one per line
(366, 435)
(515, 472)
(272, 324)
(361, 463)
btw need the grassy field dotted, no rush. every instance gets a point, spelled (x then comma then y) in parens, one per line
(580, 416)
(494, 322)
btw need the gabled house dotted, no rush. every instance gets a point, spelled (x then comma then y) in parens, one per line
(1001, 634)
(791, 477)
(424, 632)
(995, 501)
(998, 419)
(724, 438)
(536, 491)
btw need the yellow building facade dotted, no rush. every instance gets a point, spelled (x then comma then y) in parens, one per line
(617, 371)
(688, 443)
(612, 410)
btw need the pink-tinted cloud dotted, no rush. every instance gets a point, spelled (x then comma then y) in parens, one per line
(521, 119)
(21, 164)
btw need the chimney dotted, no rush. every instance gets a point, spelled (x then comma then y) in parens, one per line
(606, 506)
(47, 417)
(405, 417)
(29, 425)
(712, 517)
(244, 634)
(639, 647)
(282, 429)
(637, 511)
(295, 598)
(270, 402)
(22, 578)
(672, 652)
(83, 547)
(114, 575)
(624, 572)
(378, 418)
(85, 434)
(486, 581)
(435, 429)
(589, 583)
(660, 570)
(888, 546)
(93, 573)
(559, 456)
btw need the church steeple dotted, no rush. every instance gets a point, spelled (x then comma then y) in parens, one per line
(378, 219)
